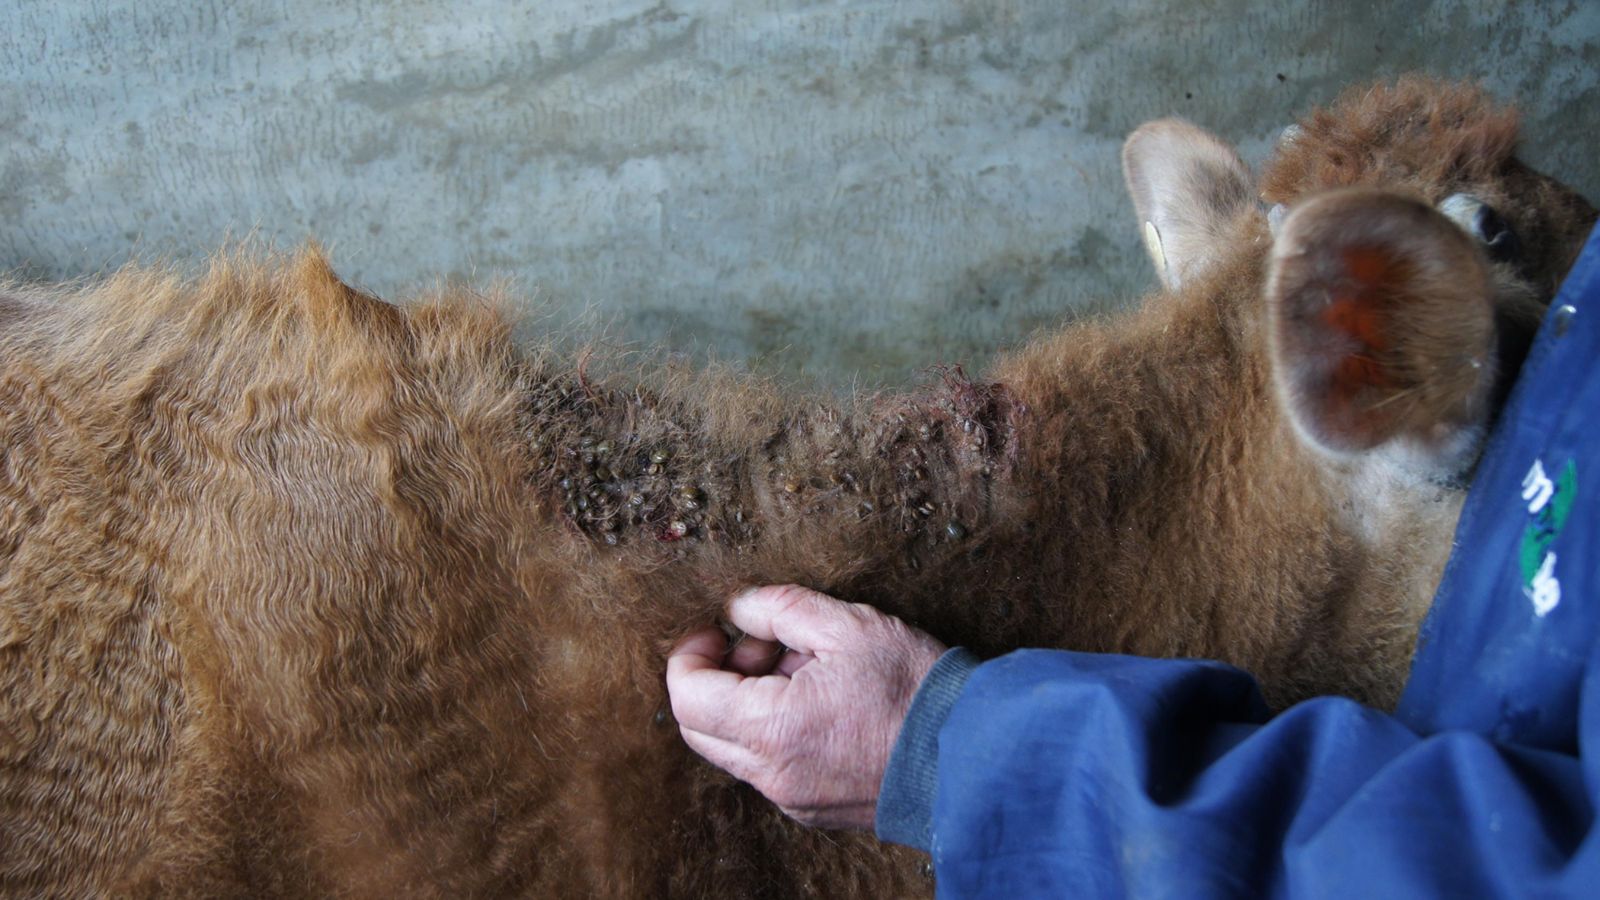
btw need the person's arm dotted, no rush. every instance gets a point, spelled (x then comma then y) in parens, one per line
(1109, 776)
(1057, 772)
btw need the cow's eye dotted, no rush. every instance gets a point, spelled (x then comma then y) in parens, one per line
(1480, 220)
(1497, 236)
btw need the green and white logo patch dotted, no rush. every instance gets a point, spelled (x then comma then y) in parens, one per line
(1549, 503)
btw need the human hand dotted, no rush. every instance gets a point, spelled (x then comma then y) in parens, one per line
(808, 706)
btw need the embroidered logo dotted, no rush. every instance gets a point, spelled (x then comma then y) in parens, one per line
(1549, 503)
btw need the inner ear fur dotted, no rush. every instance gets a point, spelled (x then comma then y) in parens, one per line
(1188, 186)
(1382, 322)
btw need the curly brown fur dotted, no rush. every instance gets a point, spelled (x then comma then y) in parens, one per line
(1433, 138)
(306, 594)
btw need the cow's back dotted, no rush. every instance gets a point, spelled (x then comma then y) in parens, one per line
(91, 695)
(255, 566)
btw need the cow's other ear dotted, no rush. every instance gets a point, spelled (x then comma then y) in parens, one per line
(1382, 326)
(1187, 188)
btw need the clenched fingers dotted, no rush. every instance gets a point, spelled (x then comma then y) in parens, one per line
(715, 701)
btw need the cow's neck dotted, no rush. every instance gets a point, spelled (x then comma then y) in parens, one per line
(1126, 486)
(1181, 514)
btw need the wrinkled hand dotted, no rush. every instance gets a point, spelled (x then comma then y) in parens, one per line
(808, 705)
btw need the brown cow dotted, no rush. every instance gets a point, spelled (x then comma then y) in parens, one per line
(303, 593)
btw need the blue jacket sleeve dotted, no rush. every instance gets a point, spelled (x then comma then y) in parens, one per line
(1102, 775)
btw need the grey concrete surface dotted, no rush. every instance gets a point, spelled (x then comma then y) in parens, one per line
(842, 191)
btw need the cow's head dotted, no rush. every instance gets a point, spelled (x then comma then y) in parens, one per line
(1412, 259)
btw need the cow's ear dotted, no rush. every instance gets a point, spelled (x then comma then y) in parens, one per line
(1382, 325)
(1187, 187)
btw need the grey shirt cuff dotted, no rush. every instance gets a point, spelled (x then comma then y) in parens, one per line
(905, 798)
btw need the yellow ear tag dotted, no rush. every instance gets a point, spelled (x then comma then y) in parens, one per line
(1152, 243)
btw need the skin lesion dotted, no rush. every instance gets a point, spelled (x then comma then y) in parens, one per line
(618, 469)
(628, 467)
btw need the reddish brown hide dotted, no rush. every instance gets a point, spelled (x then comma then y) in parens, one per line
(306, 594)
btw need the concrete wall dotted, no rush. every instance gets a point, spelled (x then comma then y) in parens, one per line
(846, 190)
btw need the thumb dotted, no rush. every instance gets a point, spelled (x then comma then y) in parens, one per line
(797, 617)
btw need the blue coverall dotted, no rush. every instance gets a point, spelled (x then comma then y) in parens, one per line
(1055, 774)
